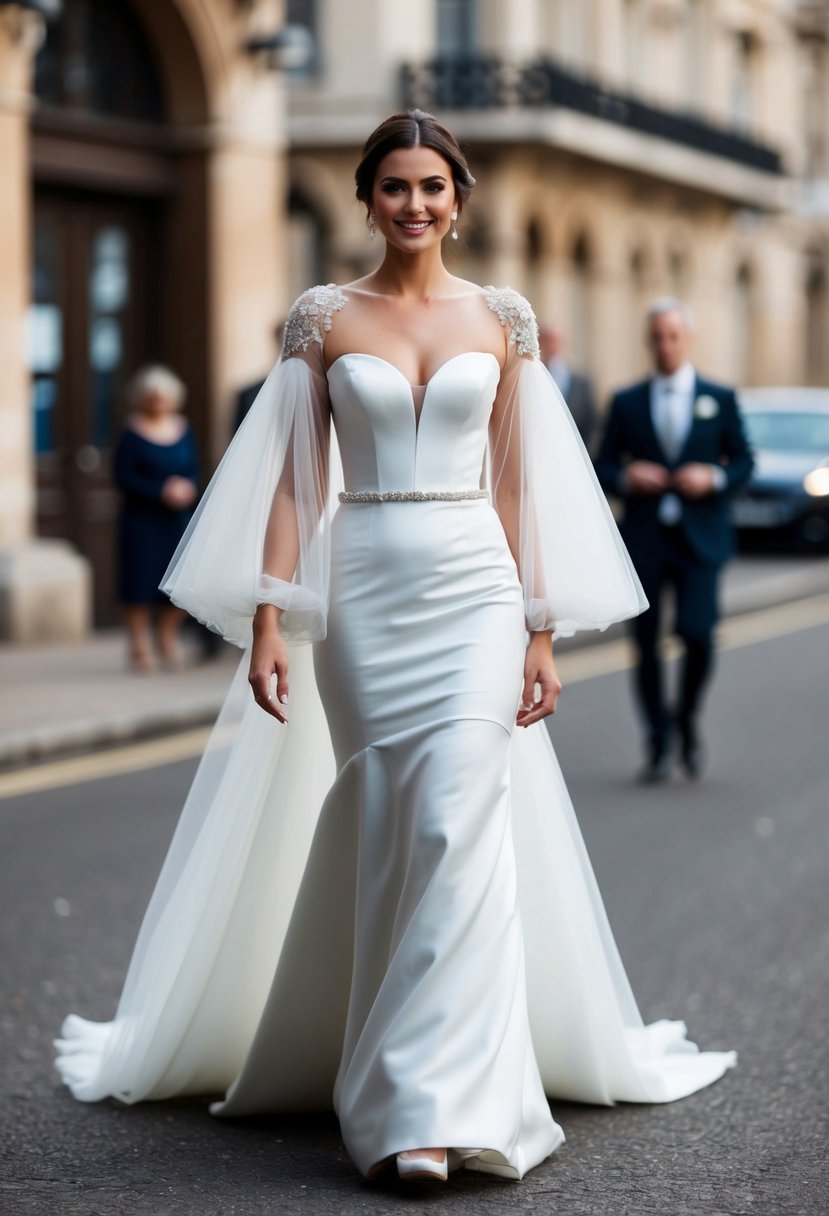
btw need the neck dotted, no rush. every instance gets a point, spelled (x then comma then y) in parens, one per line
(670, 371)
(416, 276)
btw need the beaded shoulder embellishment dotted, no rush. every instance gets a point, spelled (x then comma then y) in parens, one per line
(310, 317)
(516, 314)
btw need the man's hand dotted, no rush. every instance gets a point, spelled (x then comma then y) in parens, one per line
(695, 480)
(647, 477)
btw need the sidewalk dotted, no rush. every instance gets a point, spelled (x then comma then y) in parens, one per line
(57, 699)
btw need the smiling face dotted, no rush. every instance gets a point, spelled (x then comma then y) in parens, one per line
(413, 198)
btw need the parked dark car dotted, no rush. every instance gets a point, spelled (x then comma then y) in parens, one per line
(787, 498)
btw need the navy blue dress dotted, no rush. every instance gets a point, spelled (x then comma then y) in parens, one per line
(148, 530)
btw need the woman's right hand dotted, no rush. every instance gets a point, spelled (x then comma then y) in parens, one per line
(177, 493)
(269, 654)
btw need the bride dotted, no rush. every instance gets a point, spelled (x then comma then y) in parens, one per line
(377, 894)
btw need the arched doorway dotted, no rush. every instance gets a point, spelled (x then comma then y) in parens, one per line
(107, 269)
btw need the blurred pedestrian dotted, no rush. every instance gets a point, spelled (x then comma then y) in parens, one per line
(247, 395)
(156, 468)
(575, 388)
(674, 449)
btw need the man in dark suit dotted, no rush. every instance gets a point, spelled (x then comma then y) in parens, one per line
(576, 389)
(673, 450)
(247, 395)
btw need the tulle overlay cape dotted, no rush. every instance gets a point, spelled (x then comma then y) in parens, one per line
(212, 935)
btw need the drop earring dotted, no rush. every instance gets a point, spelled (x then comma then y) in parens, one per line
(454, 226)
(372, 227)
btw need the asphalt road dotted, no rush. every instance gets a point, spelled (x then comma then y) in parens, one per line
(718, 896)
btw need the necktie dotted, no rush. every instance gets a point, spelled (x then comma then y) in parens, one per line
(670, 421)
(670, 508)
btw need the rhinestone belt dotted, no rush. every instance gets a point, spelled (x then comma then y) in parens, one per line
(410, 495)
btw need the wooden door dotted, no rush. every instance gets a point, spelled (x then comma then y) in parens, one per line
(93, 323)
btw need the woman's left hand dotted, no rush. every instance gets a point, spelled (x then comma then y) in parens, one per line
(539, 669)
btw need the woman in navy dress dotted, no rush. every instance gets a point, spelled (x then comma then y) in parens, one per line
(156, 468)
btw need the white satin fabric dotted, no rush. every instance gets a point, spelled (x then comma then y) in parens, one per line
(395, 914)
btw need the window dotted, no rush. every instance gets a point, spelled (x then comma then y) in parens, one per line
(677, 274)
(634, 34)
(743, 325)
(580, 301)
(96, 58)
(815, 102)
(742, 88)
(457, 26)
(817, 319)
(305, 13)
(695, 56)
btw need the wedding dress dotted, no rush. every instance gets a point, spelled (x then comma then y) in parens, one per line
(387, 904)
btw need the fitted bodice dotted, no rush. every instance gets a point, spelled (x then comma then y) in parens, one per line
(386, 445)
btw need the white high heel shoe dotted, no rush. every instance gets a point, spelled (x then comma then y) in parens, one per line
(423, 1168)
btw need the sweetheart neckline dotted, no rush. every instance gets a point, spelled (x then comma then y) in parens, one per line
(350, 354)
(417, 414)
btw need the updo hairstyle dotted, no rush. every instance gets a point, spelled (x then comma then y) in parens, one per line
(412, 129)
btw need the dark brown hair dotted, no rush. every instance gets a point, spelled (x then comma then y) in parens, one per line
(412, 129)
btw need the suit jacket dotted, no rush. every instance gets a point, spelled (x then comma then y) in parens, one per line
(582, 405)
(717, 436)
(244, 400)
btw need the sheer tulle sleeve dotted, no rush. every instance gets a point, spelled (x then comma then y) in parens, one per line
(572, 562)
(261, 533)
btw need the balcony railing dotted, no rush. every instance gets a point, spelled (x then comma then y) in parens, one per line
(486, 82)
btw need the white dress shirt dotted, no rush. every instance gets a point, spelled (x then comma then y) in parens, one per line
(672, 409)
(672, 412)
(560, 371)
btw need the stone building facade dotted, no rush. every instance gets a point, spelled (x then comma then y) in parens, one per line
(623, 149)
(168, 187)
(142, 202)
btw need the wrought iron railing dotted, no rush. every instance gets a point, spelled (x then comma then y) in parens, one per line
(481, 82)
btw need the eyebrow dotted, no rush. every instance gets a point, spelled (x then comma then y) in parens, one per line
(435, 177)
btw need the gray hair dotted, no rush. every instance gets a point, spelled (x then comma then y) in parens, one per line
(155, 378)
(667, 304)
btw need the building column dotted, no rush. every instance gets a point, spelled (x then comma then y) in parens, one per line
(779, 320)
(618, 354)
(45, 586)
(246, 251)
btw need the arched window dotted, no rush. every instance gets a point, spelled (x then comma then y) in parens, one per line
(634, 33)
(581, 318)
(743, 325)
(457, 26)
(96, 59)
(817, 318)
(640, 272)
(815, 102)
(677, 274)
(307, 245)
(534, 263)
(695, 44)
(743, 81)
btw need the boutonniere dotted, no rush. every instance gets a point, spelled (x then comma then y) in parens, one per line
(706, 407)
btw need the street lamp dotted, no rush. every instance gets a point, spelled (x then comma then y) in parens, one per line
(289, 49)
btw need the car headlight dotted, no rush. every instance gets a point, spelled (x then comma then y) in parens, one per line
(816, 483)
